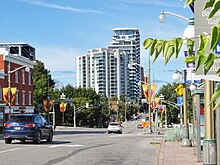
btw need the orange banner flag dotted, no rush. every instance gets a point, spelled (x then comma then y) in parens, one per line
(12, 94)
(48, 106)
(155, 102)
(63, 107)
(152, 90)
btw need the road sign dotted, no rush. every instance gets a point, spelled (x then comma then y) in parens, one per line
(203, 26)
(180, 101)
(161, 108)
(217, 49)
(179, 89)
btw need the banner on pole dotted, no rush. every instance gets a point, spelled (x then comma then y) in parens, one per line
(12, 94)
(152, 90)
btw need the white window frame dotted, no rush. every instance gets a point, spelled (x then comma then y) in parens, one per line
(29, 98)
(23, 76)
(29, 78)
(17, 97)
(23, 97)
(16, 76)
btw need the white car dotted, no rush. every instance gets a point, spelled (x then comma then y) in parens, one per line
(114, 127)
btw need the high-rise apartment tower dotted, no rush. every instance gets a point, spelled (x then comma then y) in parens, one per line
(113, 71)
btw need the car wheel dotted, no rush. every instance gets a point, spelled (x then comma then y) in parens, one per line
(50, 138)
(109, 132)
(38, 138)
(120, 132)
(8, 141)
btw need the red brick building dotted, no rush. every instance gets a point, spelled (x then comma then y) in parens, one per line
(19, 58)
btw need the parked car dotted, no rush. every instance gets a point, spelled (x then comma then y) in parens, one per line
(114, 127)
(140, 126)
(27, 127)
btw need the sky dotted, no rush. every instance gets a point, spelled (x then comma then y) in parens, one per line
(61, 30)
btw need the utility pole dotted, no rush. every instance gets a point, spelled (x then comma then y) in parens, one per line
(74, 115)
(149, 96)
(9, 82)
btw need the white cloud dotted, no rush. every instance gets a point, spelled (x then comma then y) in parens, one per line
(154, 2)
(58, 58)
(61, 7)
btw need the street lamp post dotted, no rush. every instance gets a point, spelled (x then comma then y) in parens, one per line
(185, 140)
(149, 96)
(27, 69)
(162, 17)
(125, 109)
(63, 97)
(188, 33)
(161, 100)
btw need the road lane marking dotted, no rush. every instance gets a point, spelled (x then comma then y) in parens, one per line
(14, 149)
(63, 145)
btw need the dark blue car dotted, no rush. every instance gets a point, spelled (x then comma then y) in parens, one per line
(27, 127)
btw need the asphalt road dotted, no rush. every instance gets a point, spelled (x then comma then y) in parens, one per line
(82, 146)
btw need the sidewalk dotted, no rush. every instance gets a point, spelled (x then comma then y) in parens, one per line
(171, 153)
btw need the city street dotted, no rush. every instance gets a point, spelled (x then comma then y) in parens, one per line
(85, 146)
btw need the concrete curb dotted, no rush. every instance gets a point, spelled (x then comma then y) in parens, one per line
(160, 156)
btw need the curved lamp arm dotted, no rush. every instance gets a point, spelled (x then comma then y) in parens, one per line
(170, 103)
(173, 14)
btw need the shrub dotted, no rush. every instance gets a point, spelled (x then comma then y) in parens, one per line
(175, 134)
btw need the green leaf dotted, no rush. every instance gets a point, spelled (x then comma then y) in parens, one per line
(214, 9)
(190, 59)
(170, 52)
(214, 37)
(217, 105)
(218, 24)
(216, 94)
(203, 42)
(152, 49)
(208, 4)
(188, 2)
(208, 63)
(201, 60)
(178, 44)
(165, 48)
(190, 46)
(159, 47)
(218, 72)
(147, 43)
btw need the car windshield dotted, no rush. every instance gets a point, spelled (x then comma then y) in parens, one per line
(20, 119)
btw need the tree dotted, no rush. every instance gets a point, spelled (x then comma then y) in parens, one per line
(42, 85)
(169, 93)
(93, 116)
(207, 43)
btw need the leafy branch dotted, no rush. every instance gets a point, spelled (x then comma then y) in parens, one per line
(205, 54)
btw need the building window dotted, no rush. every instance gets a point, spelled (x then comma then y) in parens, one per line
(29, 78)
(23, 76)
(16, 97)
(16, 76)
(23, 97)
(0, 93)
(29, 98)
